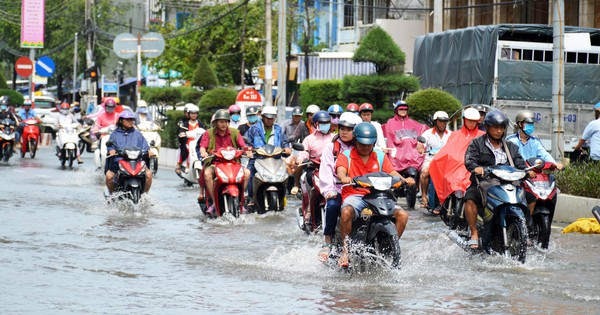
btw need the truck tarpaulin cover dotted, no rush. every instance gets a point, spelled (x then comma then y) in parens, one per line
(462, 62)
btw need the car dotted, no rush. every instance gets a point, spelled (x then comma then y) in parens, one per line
(45, 108)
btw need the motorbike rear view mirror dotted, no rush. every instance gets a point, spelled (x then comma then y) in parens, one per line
(297, 146)
(539, 163)
(421, 139)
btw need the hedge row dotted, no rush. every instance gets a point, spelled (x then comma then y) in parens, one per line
(171, 95)
(580, 179)
(15, 97)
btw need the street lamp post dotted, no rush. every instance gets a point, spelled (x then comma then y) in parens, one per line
(269, 57)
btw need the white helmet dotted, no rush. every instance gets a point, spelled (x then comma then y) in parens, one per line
(441, 115)
(312, 109)
(192, 108)
(349, 119)
(269, 111)
(142, 103)
(471, 113)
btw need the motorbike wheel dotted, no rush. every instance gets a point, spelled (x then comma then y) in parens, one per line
(7, 152)
(153, 165)
(233, 205)
(411, 196)
(272, 200)
(389, 247)
(71, 157)
(541, 226)
(516, 240)
(135, 194)
(32, 148)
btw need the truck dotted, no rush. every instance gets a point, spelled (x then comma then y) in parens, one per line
(509, 67)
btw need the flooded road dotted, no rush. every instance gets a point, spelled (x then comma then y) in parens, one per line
(64, 250)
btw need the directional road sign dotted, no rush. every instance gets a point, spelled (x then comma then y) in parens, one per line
(24, 66)
(44, 66)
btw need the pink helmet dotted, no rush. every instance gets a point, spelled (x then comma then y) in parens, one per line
(234, 109)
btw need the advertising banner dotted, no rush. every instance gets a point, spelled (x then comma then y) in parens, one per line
(32, 24)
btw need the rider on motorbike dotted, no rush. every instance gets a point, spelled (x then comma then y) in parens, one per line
(529, 146)
(252, 116)
(23, 114)
(142, 115)
(235, 113)
(221, 136)
(435, 139)
(343, 141)
(488, 150)
(125, 136)
(108, 117)
(335, 111)
(66, 119)
(263, 133)
(187, 125)
(366, 113)
(289, 126)
(313, 147)
(363, 160)
(353, 108)
(307, 128)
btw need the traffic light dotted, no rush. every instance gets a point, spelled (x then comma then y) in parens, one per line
(91, 73)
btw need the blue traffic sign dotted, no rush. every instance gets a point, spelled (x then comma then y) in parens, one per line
(44, 67)
(111, 87)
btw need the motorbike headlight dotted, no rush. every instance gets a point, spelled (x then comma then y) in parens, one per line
(222, 175)
(240, 175)
(228, 154)
(381, 183)
(132, 154)
(509, 176)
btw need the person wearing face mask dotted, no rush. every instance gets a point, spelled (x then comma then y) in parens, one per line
(529, 146)
(235, 113)
(65, 120)
(252, 115)
(335, 111)
(313, 147)
(108, 117)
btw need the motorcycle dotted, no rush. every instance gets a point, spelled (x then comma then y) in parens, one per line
(86, 143)
(66, 144)
(7, 139)
(228, 183)
(374, 237)
(30, 137)
(130, 180)
(269, 185)
(543, 187)
(150, 132)
(452, 213)
(193, 171)
(100, 151)
(501, 224)
(313, 203)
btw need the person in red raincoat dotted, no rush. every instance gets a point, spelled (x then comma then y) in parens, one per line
(447, 170)
(401, 133)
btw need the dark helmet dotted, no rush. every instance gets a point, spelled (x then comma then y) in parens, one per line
(365, 133)
(321, 117)
(525, 116)
(352, 107)
(496, 118)
(365, 107)
(222, 114)
(252, 110)
(480, 108)
(297, 111)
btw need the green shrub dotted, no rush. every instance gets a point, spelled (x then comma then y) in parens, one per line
(190, 95)
(379, 48)
(3, 84)
(424, 103)
(377, 88)
(580, 179)
(168, 134)
(215, 99)
(165, 95)
(204, 75)
(15, 97)
(320, 92)
(382, 115)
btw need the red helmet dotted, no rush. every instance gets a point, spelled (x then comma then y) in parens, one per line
(365, 107)
(64, 106)
(234, 109)
(110, 102)
(352, 107)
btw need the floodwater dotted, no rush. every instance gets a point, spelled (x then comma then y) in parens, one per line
(64, 250)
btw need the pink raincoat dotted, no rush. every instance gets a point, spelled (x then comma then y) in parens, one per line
(402, 133)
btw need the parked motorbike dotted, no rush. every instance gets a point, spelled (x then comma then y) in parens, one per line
(374, 237)
(130, 180)
(502, 226)
(150, 132)
(269, 185)
(193, 169)
(543, 187)
(86, 143)
(7, 139)
(229, 182)
(313, 203)
(66, 144)
(30, 137)
(100, 151)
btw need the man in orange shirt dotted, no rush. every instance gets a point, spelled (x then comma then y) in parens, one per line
(363, 160)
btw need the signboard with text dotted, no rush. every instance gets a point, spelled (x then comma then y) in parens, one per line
(32, 23)
(248, 97)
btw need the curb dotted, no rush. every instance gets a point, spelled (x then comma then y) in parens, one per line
(168, 157)
(570, 208)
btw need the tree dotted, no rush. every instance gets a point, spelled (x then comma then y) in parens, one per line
(3, 84)
(424, 103)
(379, 48)
(205, 76)
(377, 88)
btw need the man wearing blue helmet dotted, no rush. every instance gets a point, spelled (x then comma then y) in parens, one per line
(335, 111)
(125, 136)
(591, 134)
(358, 161)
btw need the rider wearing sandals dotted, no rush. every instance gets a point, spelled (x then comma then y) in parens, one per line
(361, 160)
(487, 150)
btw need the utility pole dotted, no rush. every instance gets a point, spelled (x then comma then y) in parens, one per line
(89, 52)
(558, 74)
(438, 13)
(269, 57)
(74, 68)
(281, 63)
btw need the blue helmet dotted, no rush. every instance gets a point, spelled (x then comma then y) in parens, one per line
(365, 133)
(126, 114)
(496, 118)
(335, 109)
(597, 107)
(321, 117)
